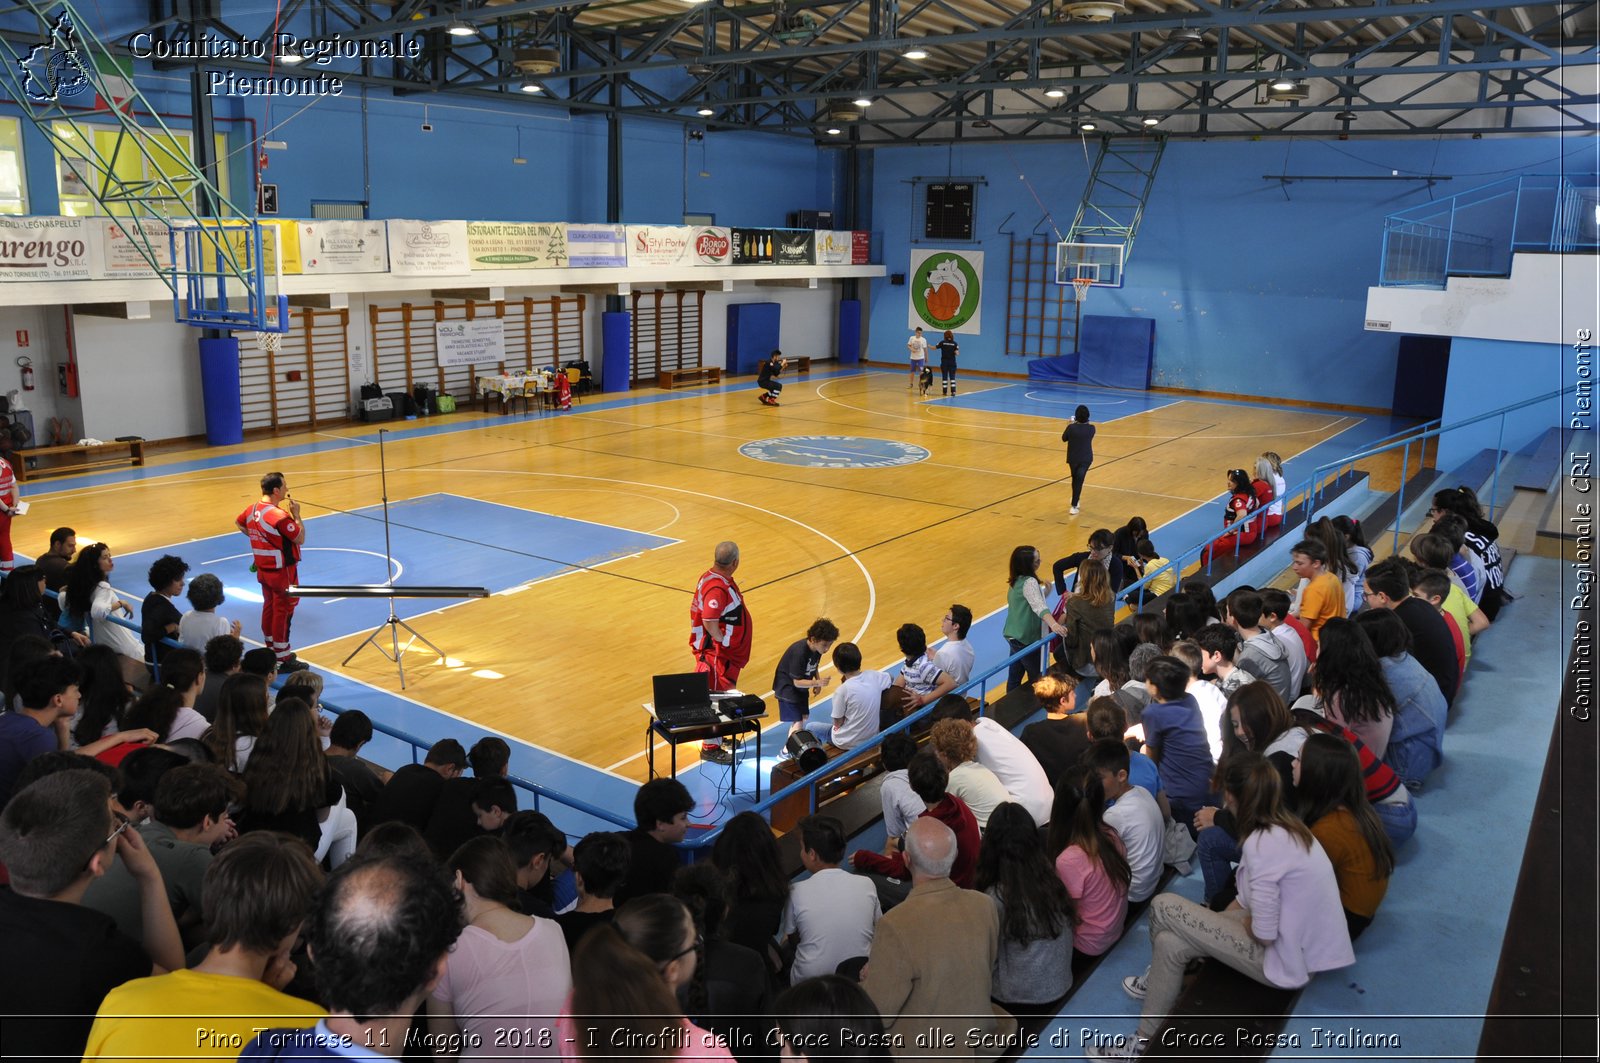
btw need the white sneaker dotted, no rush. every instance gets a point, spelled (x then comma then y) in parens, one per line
(1073, 511)
(1136, 985)
(1115, 1048)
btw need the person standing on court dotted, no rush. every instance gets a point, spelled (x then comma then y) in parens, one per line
(719, 621)
(10, 506)
(1079, 438)
(919, 356)
(276, 535)
(948, 348)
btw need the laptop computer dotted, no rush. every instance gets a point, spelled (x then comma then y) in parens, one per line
(684, 700)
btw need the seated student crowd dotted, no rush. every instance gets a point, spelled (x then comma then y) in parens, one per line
(1313, 800)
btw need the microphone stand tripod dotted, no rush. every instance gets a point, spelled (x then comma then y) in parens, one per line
(394, 623)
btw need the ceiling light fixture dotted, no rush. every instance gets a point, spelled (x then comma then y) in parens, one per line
(530, 86)
(1346, 116)
(862, 101)
(1150, 120)
(461, 28)
(915, 53)
(833, 131)
(1292, 90)
(706, 112)
(1087, 127)
(1055, 92)
(1096, 10)
(291, 58)
(1281, 83)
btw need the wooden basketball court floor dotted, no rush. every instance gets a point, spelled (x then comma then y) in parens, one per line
(593, 526)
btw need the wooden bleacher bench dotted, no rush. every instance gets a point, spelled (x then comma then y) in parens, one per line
(801, 363)
(79, 456)
(671, 378)
(850, 773)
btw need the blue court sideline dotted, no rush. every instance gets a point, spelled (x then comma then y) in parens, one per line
(436, 540)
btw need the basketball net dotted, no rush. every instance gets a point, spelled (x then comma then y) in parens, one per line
(1080, 288)
(270, 341)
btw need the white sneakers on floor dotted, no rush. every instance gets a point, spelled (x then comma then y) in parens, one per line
(1073, 511)
(1136, 986)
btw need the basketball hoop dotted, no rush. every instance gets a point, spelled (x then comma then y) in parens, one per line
(269, 341)
(1080, 288)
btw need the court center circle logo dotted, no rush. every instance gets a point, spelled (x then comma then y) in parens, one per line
(835, 452)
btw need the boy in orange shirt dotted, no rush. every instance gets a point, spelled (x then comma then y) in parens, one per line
(1324, 595)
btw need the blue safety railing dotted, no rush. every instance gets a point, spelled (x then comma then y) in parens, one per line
(1475, 233)
(1309, 492)
(419, 746)
(1433, 430)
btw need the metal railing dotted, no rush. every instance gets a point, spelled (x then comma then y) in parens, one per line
(1308, 491)
(1435, 430)
(1476, 232)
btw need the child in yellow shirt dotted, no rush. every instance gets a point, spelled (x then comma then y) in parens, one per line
(1323, 598)
(1152, 563)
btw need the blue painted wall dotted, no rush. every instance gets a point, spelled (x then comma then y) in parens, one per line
(464, 167)
(1489, 374)
(1256, 289)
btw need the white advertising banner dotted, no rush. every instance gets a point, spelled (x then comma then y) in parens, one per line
(833, 247)
(45, 249)
(471, 342)
(594, 246)
(517, 245)
(343, 247)
(428, 248)
(660, 245)
(712, 246)
(121, 254)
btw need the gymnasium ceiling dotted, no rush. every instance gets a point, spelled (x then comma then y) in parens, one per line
(993, 69)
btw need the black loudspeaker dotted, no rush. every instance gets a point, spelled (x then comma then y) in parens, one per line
(897, 279)
(807, 751)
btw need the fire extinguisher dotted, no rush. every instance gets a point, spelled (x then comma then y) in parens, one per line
(27, 372)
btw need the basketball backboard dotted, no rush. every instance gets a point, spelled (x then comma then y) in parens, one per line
(1100, 264)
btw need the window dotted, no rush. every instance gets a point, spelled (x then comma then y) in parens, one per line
(114, 153)
(13, 182)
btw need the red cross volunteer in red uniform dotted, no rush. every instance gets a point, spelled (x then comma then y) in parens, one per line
(719, 620)
(8, 507)
(275, 532)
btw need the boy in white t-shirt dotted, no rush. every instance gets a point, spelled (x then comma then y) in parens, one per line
(833, 913)
(858, 700)
(918, 346)
(1134, 814)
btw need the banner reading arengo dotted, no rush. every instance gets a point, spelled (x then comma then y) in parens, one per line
(946, 291)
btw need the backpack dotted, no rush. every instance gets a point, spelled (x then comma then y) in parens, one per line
(445, 404)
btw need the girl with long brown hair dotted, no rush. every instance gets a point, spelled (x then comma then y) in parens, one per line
(289, 786)
(1090, 861)
(625, 980)
(1285, 926)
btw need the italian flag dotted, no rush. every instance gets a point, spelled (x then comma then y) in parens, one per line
(114, 85)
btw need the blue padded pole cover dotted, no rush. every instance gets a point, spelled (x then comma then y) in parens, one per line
(219, 389)
(616, 350)
(849, 331)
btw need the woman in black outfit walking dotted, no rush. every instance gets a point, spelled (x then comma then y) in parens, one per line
(1079, 438)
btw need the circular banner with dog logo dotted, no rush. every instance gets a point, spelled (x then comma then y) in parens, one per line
(947, 291)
